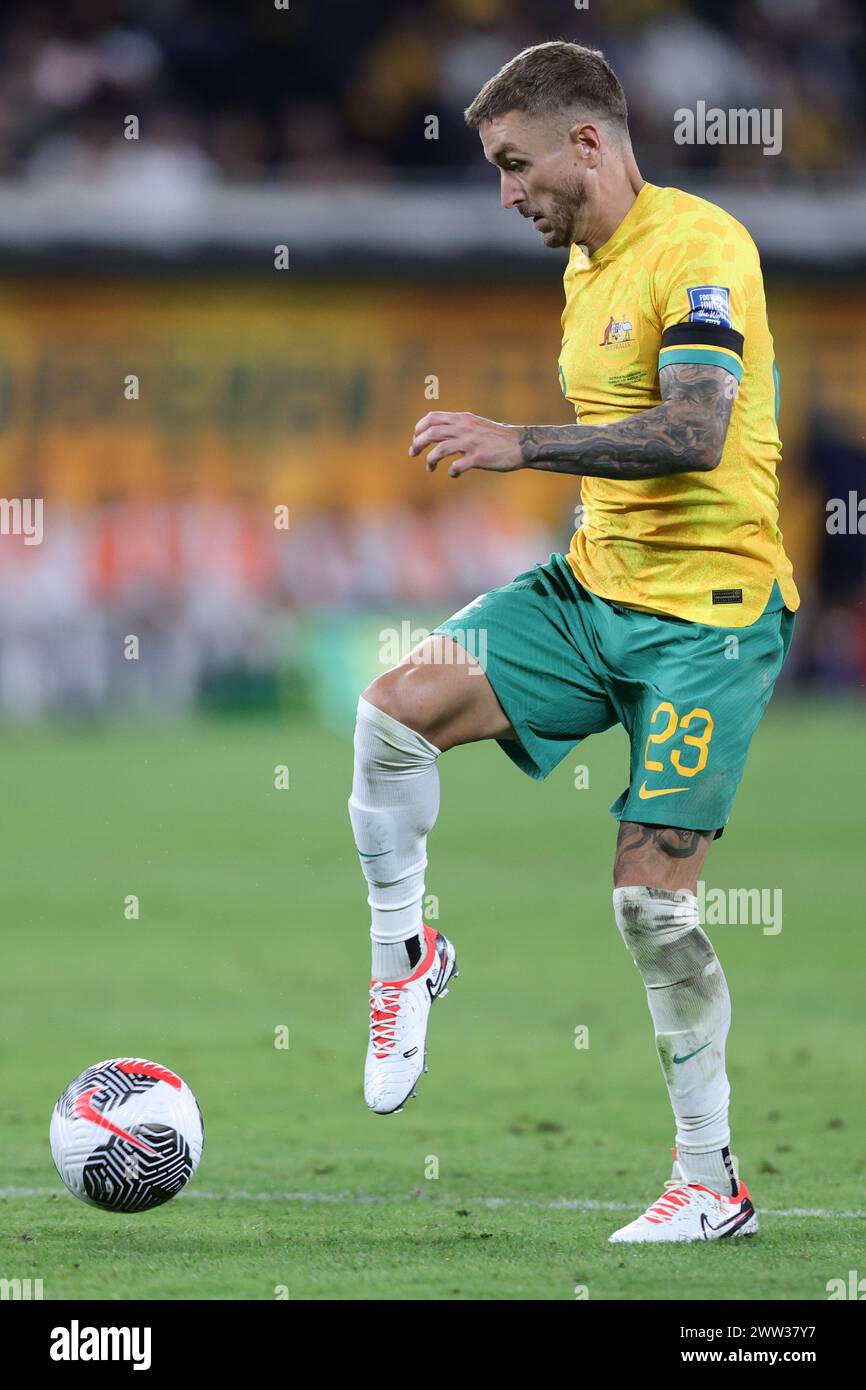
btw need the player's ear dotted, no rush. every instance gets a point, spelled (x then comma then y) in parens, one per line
(586, 142)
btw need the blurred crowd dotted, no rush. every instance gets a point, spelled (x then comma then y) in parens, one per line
(159, 608)
(329, 90)
(215, 598)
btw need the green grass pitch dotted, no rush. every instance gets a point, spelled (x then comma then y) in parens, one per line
(252, 917)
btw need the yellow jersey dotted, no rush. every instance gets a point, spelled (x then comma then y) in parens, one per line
(679, 281)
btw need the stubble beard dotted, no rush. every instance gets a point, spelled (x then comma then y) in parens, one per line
(563, 217)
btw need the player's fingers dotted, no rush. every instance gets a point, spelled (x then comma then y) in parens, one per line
(425, 428)
(420, 442)
(462, 465)
(434, 417)
(431, 435)
(434, 426)
(434, 437)
(442, 451)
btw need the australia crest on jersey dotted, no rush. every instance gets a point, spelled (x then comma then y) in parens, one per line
(617, 333)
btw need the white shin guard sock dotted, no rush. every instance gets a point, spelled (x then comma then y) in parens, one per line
(691, 1012)
(393, 806)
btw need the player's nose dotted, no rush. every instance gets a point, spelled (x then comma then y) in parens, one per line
(510, 191)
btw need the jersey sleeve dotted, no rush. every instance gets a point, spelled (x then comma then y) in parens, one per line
(701, 291)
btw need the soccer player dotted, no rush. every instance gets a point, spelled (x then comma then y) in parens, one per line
(671, 613)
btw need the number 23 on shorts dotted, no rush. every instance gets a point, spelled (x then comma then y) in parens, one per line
(700, 740)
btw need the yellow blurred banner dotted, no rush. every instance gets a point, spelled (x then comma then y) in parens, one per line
(306, 395)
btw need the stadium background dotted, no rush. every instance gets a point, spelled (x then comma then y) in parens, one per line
(262, 388)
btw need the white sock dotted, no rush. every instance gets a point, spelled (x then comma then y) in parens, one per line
(691, 1011)
(396, 960)
(393, 806)
(715, 1170)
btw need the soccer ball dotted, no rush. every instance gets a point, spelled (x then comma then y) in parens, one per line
(126, 1135)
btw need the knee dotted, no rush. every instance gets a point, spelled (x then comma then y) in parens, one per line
(388, 693)
(406, 693)
(650, 919)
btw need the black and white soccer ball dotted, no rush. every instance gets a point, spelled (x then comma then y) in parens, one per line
(126, 1135)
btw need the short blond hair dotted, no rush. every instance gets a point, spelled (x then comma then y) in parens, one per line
(549, 78)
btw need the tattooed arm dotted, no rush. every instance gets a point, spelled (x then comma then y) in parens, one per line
(685, 434)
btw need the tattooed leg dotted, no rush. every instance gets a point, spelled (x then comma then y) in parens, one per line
(659, 856)
(656, 876)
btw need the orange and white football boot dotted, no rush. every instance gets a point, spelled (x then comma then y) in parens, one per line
(691, 1211)
(399, 1010)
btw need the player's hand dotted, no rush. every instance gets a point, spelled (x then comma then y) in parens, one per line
(477, 442)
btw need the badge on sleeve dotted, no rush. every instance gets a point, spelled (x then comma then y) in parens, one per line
(710, 304)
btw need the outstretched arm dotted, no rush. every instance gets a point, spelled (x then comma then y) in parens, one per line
(685, 434)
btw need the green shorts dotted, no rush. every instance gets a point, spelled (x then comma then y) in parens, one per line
(565, 663)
